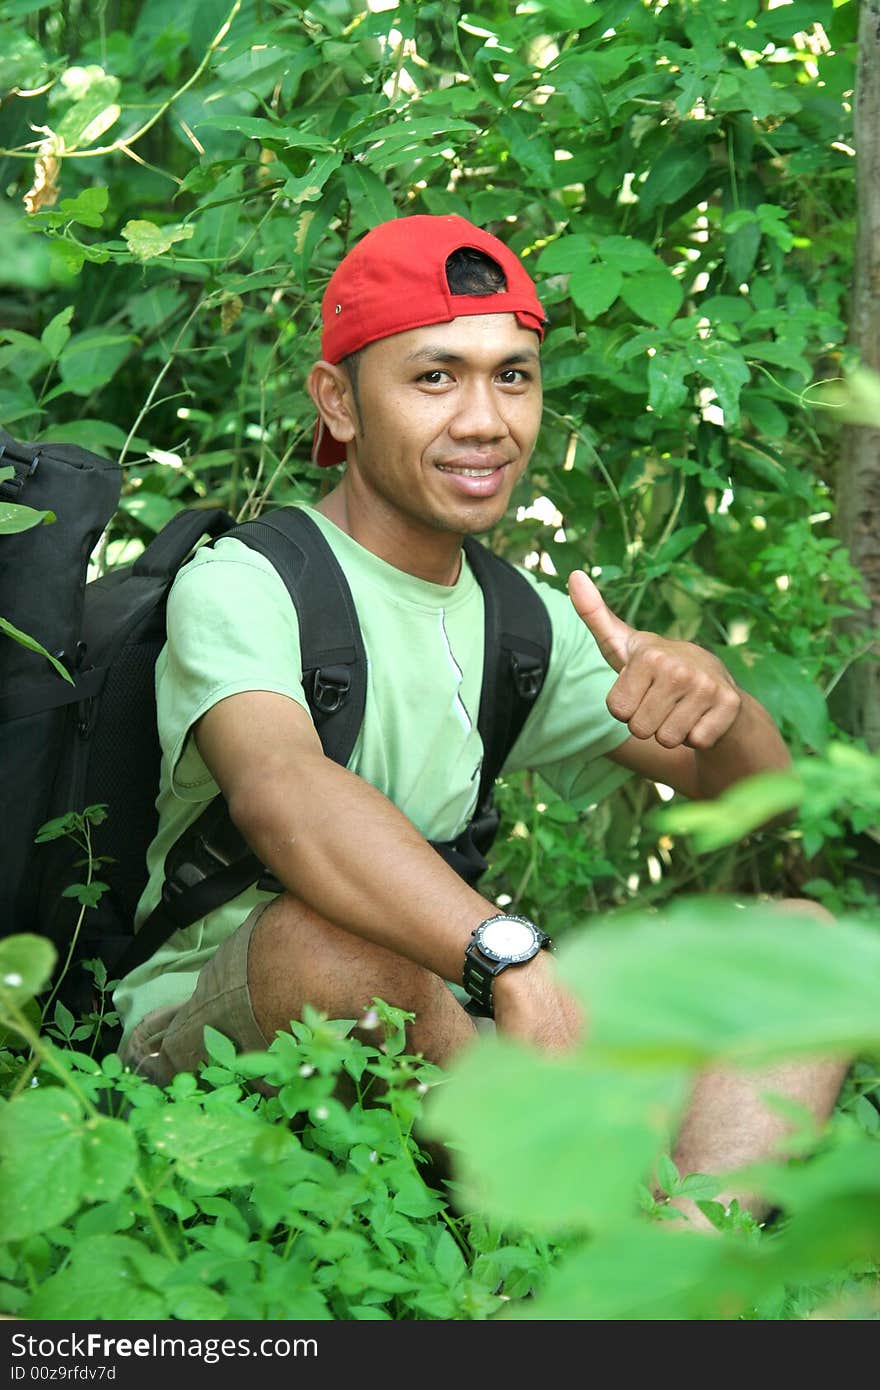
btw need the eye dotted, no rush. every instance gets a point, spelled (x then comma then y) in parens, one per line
(435, 378)
(514, 376)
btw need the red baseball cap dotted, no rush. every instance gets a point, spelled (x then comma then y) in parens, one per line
(394, 279)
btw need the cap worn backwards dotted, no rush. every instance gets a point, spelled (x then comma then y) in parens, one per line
(394, 279)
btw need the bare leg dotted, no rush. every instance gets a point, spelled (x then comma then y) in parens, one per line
(728, 1125)
(298, 958)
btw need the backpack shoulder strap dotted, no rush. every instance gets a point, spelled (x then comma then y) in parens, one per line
(334, 662)
(518, 642)
(210, 863)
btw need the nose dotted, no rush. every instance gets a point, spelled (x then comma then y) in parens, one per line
(479, 415)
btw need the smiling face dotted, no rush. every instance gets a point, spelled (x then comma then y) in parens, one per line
(444, 425)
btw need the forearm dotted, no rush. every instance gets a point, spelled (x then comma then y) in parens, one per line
(345, 850)
(752, 744)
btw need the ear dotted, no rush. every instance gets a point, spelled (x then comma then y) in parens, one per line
(330, 389)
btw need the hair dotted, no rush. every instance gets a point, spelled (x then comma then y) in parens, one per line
(468, 271)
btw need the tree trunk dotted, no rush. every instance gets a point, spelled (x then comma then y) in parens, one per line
(858, 491)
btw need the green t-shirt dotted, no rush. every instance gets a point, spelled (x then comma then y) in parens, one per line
(232, 627)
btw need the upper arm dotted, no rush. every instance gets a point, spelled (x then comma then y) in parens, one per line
(251, 739)
(673, 767)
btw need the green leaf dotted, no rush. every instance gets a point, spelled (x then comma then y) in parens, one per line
(103, 1280)
(726, 369)
(57, 827)
(448, 1260)
(26, 963)
(371, 201)
(311, 185)
(655, 295)
(211, 1151)
(738, 811)
(566, 254)
(765, 415)
(678, 543)
(219, 1048)
(57, 332)
(88, 894)
(741, 250)
(15, 518)
(666, 385)
(649, 1273)
(146, 240)
(710, 978)
(676, 170)
(90, 360)
(34, 646)
(22, 61)
(780, 683)
(95, 110)
(258, 128)
(627, 253)
(151, 509)
(667, 1175)
(594, 288)
(585, 1181)
(86, 208)
(64, 1019)
(53, 1158)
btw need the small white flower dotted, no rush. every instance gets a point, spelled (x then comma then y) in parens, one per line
(370, 1019)
(13, 979)
(306, 1069)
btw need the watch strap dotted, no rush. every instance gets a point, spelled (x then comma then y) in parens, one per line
(480, 971)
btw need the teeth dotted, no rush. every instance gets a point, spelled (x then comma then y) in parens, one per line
(468, 472)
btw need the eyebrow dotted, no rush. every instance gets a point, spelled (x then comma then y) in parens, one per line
(443, 354)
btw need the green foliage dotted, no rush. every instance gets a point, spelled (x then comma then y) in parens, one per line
(678, 180)
(210, 1200)
(709, 982)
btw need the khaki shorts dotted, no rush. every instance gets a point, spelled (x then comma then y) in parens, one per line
(170, 1040)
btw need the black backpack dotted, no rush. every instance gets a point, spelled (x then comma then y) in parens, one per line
(69, 746)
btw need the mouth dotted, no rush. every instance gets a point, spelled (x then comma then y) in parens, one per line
(475, 479)
(469, 472)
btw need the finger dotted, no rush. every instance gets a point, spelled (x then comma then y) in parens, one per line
(652, 714)
(678, 726)
(649, 676)
(628, 691)
(612, 634)
(715, 723)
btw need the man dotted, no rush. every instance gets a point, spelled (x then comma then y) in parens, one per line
(429, 389)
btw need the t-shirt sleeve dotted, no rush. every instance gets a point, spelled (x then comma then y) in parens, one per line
(231, 628)
(570, 728)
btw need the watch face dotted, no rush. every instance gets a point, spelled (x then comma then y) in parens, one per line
(507, 938)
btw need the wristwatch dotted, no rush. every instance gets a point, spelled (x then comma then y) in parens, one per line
(495, 944)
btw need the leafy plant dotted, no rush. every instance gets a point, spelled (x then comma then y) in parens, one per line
(211, 1200)
(678, 180)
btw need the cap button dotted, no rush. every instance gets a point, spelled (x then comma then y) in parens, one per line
(338, 309)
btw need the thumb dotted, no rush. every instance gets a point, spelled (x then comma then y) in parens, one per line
(612, 634)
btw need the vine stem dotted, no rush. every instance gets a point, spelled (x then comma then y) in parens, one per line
(850, 661)
(86, 844)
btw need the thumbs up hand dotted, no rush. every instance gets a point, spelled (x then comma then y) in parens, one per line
(675, 692)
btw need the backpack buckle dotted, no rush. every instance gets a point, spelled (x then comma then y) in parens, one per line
(330, 687)
(24, 464)
(528, 675)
